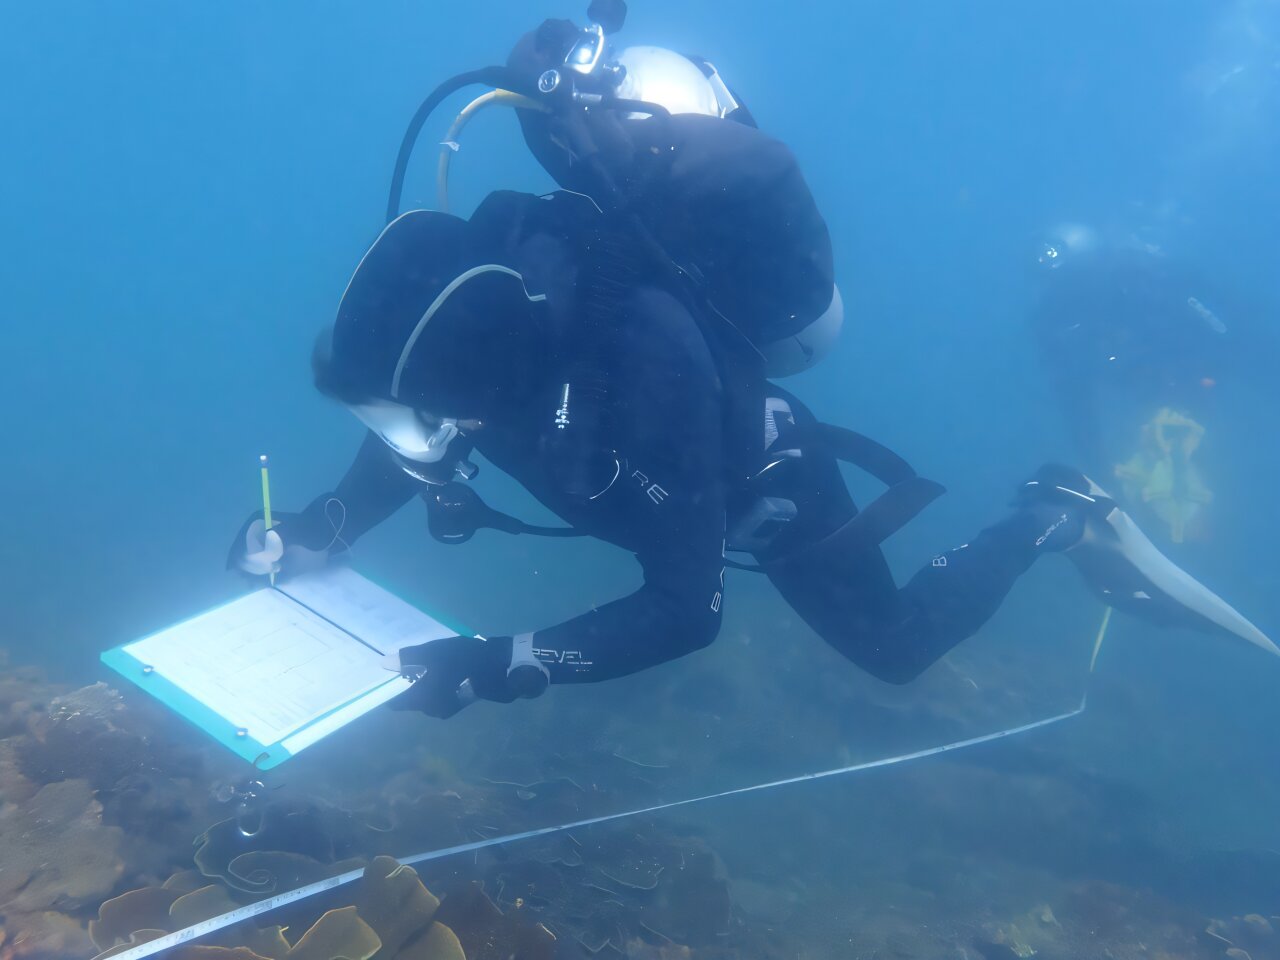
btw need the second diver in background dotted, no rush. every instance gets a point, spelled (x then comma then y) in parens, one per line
(1137, 345)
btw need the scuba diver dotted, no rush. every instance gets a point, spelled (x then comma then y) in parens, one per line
(1123, 331)
(1137, 346)
(610, 347)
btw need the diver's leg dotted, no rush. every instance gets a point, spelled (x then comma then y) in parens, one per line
(951, 597)
(843, 588)
(845, 592)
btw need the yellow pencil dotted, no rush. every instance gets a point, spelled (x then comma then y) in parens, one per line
(266, 503)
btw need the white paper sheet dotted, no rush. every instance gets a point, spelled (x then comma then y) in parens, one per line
(271, 666)
(379, 618)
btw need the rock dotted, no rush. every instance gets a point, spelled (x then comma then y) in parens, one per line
(695, 905)
(771, 904)
(47, 936)
(55, 850)
(23, 693)
(996, 951)
(14, 787)
(1044, 914)
(485, 933)
(1260, 925)
(639, 950)
(1251, 935)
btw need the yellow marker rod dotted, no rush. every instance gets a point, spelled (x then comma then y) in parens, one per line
(266, 502)
(1102, 635)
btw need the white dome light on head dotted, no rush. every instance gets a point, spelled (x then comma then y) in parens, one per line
(664, 77)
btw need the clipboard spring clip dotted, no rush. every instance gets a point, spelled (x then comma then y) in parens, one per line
(250, 798)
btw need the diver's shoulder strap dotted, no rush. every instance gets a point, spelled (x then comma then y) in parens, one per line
(859, 450)
(907, 495)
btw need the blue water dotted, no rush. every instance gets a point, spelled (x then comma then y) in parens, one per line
(188, 187)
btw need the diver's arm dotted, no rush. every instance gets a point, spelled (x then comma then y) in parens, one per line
(373, 489)
(667, 504)
(680, 530)
(669, 414)
(675, 612)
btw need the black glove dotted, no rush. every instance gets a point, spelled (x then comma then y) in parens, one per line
(296, 542)
(442, 667)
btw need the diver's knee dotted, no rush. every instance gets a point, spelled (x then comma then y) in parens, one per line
(899, 675)
(704, 634)
(889, 666)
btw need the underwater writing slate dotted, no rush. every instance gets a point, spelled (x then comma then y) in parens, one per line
(276, 671)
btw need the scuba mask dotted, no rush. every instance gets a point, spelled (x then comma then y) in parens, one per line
(431, 450)
(411, 435)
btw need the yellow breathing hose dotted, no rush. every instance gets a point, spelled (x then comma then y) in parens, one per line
(503, 98)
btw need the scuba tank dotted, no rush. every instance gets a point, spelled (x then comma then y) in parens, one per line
(577, 82)
(566, 91)
(573, 91)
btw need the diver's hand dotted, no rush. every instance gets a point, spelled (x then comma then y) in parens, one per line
(256, 550)
(453, 672)
(296, 543)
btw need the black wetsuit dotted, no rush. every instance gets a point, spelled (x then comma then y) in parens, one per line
(685, 440)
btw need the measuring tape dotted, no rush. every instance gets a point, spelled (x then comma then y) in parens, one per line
(205, 927)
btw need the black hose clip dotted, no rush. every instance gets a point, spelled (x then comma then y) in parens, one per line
(610, 15)
(455, 512)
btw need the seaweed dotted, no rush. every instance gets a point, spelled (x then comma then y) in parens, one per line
(395, 916)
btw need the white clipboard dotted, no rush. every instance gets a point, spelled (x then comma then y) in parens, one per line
(280, 669)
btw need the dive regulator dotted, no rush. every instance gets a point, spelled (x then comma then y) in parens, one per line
(587, 77)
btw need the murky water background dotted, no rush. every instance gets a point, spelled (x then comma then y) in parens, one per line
(186, 192)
